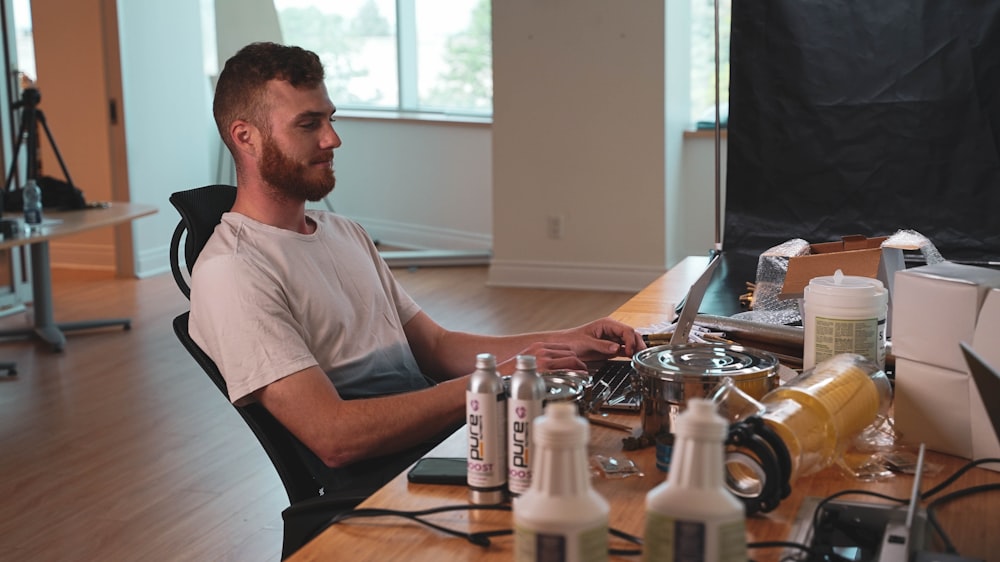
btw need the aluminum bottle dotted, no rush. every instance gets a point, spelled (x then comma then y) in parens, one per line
(486, 413)
(527, 391)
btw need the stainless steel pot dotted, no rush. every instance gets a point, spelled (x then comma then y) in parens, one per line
(671, 374)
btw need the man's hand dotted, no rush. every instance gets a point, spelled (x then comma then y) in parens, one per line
(548, 357)
(602, 339)
(571, 349)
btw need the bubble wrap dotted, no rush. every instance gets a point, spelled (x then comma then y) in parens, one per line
(913, 240)
(772, 266)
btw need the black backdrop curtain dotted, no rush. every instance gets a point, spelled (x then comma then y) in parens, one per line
(860, 117)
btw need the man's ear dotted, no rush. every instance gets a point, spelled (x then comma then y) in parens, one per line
(246, 137)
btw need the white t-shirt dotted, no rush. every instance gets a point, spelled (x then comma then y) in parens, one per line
(268, 302)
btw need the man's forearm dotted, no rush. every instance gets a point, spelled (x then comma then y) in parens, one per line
(372, 427)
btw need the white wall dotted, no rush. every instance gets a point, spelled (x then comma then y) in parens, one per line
(692, 225)
(169, 129)
(578, 136)
(419, 184)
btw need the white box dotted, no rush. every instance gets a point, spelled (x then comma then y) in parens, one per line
(935, 307)
(931, 405)
(942, 407)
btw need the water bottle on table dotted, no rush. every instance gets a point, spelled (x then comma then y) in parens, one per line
(32, 199)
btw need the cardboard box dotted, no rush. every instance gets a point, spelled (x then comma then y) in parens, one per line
(853, 255)
(936, 306)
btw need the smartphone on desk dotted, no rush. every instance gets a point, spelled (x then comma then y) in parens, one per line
(438, 470)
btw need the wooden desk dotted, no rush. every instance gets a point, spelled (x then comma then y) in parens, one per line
(58, 224)
(968, 521)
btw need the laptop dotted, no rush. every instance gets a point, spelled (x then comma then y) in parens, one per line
(612, 387)
(988, 382)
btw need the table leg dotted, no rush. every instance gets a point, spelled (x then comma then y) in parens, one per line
(45, 326)
(41, 290)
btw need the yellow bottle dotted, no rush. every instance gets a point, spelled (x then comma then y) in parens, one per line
(807, 424)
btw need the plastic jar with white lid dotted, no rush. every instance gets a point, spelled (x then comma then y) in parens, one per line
(844, 314)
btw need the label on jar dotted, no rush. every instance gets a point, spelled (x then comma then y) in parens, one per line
(834, 336)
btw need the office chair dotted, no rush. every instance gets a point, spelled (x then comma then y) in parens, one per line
(309, 508)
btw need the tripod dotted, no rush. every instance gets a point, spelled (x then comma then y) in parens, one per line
(31, 117)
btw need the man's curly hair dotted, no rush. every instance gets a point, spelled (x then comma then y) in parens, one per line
(239, 93)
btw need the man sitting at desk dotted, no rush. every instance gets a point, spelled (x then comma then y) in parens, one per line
(299, 311)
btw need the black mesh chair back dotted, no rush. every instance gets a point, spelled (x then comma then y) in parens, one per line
(282, 448)
(201, 211)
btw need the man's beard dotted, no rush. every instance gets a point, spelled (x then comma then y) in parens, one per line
(292, 179)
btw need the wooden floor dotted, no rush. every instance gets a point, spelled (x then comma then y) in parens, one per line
(120, 448)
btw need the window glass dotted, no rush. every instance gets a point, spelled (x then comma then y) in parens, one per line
(24, 40)
(428, 56)
(703, 60)
(356, 39)
(454, 56)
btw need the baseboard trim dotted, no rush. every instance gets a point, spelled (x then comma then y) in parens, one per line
(590, 277)
(95, 257)
(424, 238)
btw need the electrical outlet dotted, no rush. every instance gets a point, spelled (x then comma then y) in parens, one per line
(555, 225)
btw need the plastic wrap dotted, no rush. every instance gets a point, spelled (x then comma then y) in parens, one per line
(771, 269)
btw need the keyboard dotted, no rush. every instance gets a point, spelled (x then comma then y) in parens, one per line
(613, 387)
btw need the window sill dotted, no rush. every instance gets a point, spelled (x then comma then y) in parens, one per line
(705, 134)
(412, 116)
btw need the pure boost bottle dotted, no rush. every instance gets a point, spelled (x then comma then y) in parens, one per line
(560, 517)
(527, 391)
(485, 417)
(693, 516)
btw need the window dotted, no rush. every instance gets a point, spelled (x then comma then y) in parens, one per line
(398, 55)
(23, 39)
(703, 60)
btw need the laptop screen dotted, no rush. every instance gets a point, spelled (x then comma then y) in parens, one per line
(988, 382)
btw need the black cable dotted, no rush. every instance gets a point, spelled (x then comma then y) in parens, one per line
(478, 539)
(948, 481)
(630, 538)
(481, 538)
(932, 507)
